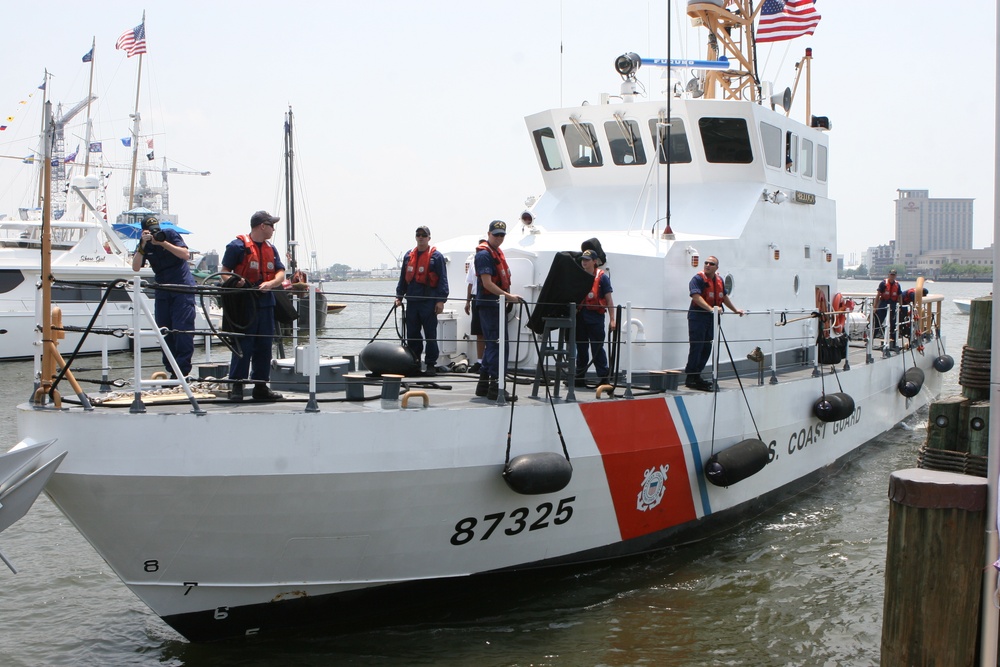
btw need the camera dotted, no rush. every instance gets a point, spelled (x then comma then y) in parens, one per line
(158, 234)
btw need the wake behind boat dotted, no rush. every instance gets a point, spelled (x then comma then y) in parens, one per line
(332, 507)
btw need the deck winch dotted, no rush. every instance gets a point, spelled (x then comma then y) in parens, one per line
(833, 407)
(738, 462)
(535, 474)
(911, 382)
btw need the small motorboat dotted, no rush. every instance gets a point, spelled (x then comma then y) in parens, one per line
(963, 305)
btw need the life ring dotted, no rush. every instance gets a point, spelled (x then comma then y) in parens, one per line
(841, 306)
(824, 311)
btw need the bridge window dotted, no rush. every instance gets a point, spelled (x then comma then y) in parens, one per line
(770, 139)
(821, 163)
(626, 144)
(726, 140)
(680, 151)
(581, 144)
(547, 148)
(807, 158)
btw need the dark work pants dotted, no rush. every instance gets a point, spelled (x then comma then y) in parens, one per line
(701, 333)
(175, 310)
(256, 347)
(421, 323)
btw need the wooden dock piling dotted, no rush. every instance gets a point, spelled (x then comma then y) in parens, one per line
(933, 568)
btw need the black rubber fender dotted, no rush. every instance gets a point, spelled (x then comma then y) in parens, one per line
(944, 363)
(911, 382)
(382, 356)
(736, 463)
(536, 474)
(833, 407)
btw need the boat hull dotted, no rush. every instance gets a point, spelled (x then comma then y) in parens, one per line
(224, 537)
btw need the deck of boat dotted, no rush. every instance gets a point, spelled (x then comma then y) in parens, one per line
(452, 390)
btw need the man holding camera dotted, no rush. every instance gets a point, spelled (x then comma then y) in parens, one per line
(168, 255)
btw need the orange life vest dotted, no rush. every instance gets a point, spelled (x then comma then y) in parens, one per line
(501, 272)
(594, 302)
(258, 263)
(714, 291)
(891, 291)
(419, 268)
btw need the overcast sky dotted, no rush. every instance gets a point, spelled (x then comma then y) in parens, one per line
(412, 112)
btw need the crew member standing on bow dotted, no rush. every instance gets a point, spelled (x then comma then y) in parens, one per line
(708, 294)
(590, 321)
(168, 255)
(494, 281)
(423, 281)
(258, 264)
(886, 303)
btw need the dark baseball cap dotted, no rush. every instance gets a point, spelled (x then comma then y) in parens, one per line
(589, 254)
(498, 228)
(150, 221)
(423, 229)
(261, 217)
(892, 272)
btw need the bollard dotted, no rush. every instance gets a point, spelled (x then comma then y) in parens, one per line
(355, 386)
(390, 389)
(933, 568)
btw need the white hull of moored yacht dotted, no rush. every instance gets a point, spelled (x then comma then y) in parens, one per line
(209, 531)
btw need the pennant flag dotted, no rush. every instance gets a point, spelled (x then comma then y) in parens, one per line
(29, 160)
(133, 42)
(72, 156)
(786, 19)
(127, 142)
(149, 155)
(89, 56)
(95, 147)
(149, 143)
(2, 128)
(42, 87)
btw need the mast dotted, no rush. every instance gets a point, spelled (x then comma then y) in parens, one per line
(90, 98)
(48, 360)
(87, 131)
(290, 192)
(135, 128)
(45, 119)
(733, 30)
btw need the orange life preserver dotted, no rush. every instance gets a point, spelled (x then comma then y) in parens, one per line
(259, 261)
(501, 272)
(841, 307)
(714, 292)
(418, 268)
(594, 301)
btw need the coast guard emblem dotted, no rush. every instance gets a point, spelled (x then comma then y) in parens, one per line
(652, 488)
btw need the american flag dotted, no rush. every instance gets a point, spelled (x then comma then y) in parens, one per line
(133, 42)
(786, 19)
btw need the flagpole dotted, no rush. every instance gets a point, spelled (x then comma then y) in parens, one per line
(87, 135)
(45, 97)
(90, 95)
(135, 127)
(135, 135)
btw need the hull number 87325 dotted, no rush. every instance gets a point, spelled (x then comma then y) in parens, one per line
(513, 523)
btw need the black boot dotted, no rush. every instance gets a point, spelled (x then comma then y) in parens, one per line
(261, 392)
(482, 387)
(493, 393)
(236, 392)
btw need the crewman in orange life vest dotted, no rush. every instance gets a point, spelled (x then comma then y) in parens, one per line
(493, 274)
(590, 320)
(708, 292)
(887, 300)
(423, 281)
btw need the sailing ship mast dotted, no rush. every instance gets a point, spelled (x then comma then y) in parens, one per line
(135, 119)
(290, 193)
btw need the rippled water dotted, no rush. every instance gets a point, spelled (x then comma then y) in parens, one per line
(799, 584)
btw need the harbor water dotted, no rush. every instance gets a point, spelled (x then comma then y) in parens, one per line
(799, 584)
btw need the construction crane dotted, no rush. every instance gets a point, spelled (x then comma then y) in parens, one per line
(398, 258)
(153, 197)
